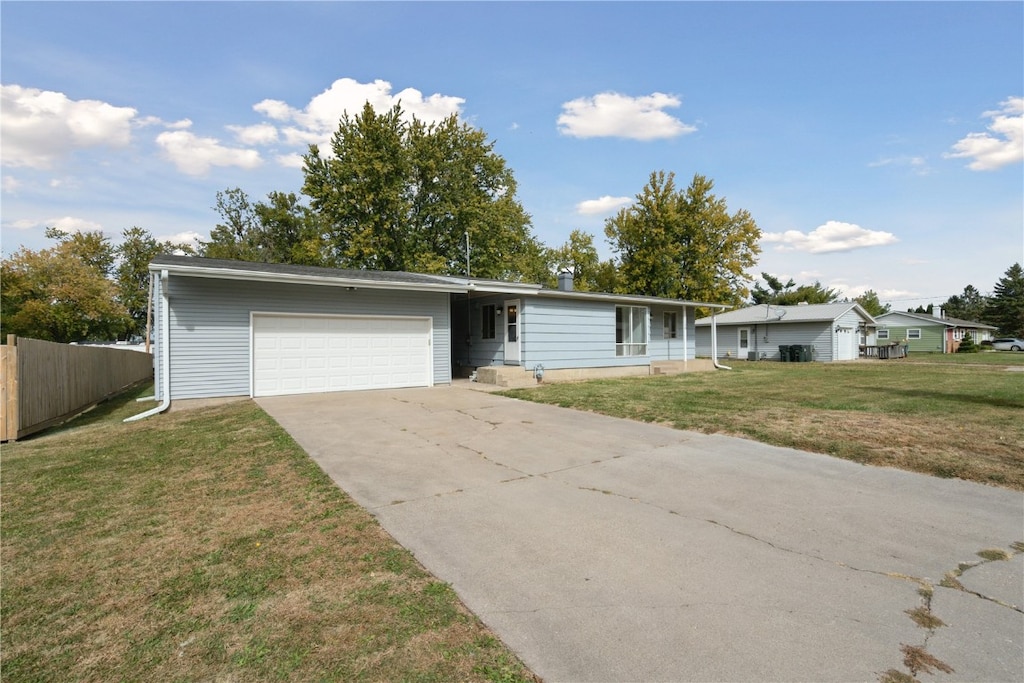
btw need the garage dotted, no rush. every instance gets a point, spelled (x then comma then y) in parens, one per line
(303, 354)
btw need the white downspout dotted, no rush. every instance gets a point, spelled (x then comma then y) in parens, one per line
(714, 343)
(685, 349)
(165, 353)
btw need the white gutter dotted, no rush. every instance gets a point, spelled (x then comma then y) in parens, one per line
(714, 343)
(165, 353)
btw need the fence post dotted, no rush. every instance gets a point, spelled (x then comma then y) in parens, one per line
(9, 390)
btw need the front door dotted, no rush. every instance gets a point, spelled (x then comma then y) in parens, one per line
(743, 342)
(512, 332)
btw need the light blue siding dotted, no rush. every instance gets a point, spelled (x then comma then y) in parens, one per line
(210, 326)
(565, 333)
(469, 348)
(765, 338)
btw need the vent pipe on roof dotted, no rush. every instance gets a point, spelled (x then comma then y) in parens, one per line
(565, 281)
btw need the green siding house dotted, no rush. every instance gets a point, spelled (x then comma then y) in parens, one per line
(924, 333)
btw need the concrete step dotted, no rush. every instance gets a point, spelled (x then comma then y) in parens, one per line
(511, 377)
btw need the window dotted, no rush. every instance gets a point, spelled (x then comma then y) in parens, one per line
(670, 326)
(630, 331)
(883, 334)
(958, 334)
(487, 322)
(914, 334)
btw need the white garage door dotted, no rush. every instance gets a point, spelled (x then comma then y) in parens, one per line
(295, 354)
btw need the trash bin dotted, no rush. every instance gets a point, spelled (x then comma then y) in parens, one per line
(802, 353)
(794, 353)
(784, 352)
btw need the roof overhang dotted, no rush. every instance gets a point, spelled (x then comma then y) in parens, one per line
(624, 299)
(302, 278)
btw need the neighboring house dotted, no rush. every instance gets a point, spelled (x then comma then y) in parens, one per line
(835, 332)
(232, 328)
(932, 333)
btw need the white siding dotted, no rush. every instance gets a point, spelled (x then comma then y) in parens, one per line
(210, 335)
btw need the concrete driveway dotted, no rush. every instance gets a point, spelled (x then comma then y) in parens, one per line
(602, 549)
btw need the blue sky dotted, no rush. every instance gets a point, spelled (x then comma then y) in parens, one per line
(877, 145)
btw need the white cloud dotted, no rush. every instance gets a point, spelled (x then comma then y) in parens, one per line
(831, 237)
(610, 114)
(195, 155)
(605, 204)
(11, 185)
(290, 160)
(39, 127)
(23, 224)
(259, 134)
(146, 121)
(1002, 145)
(318, 120)
(188, 237)
(919, 165)
(70, 225)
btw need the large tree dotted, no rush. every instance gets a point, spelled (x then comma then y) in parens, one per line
(578, 256)
(63, 294)
(683, 244)
(281, 230)
(1005, 308)
(137, 248)
(967, 306)
(788, 294)
(870, 303)
(398, 194)
(83, 289)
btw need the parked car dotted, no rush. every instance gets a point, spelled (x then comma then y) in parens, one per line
(1008, 344)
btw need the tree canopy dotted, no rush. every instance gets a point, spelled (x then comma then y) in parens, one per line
(789, 294)
(578, 256)
(870, 303)
(683, 244)
(281, 230)
(1005, 308)
(398, 195)
(970, 305)
(63, 294)
(82, 289)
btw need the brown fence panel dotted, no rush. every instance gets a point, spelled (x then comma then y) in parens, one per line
(48, 383)
(8, 392)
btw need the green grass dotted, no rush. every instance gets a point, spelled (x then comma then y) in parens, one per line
(948, 418)
(206, 545)
(1003, 358)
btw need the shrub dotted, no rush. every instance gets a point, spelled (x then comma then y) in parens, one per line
(967, 345)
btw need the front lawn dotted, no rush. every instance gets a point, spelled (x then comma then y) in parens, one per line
(960, 415)
(205, 545)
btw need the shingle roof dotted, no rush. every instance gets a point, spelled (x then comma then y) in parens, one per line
(200, 266)
(762, 313)
(310, 271)
(935, 320)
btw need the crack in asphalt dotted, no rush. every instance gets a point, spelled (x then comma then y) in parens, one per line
(921, 581)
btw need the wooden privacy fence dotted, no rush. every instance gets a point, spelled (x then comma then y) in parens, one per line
(43, 383)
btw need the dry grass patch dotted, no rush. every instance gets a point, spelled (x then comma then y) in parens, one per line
(205, 545)
(946, 419)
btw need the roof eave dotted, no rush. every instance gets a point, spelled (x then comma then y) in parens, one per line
(624, 298)
(295, 278)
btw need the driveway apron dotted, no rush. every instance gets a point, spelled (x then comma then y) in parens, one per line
(602, 549)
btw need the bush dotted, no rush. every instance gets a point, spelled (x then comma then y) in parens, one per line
(967, 345)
